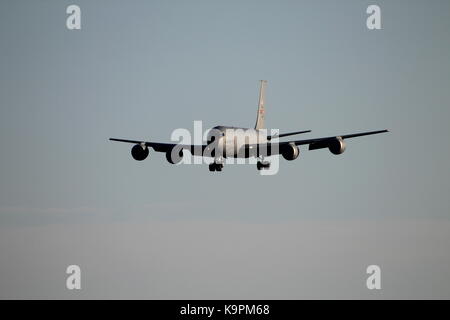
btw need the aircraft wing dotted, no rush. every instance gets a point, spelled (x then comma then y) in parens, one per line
(199, 150)
(313, 142)
(319, 143)
(164, 147)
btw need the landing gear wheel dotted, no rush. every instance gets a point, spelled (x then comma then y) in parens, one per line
(262, 165)
(258, 166)
(215, 166)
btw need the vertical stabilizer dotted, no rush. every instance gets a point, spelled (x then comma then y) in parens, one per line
(261, 111)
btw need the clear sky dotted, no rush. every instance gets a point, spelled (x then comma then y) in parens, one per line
(140, 69)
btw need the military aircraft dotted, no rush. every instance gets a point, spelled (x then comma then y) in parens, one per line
(226, 141)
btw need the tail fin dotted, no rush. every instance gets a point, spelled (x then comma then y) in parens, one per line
(261, 111)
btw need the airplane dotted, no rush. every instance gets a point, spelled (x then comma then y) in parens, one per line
(225, 141)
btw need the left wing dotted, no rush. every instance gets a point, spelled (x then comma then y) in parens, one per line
(314, 144)
(318, 142)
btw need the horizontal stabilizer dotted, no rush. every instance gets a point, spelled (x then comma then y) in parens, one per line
(286, 134)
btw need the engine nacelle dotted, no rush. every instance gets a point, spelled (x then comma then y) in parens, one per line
(290, 152)
(337, 145)
(174, 155)
(139, 152)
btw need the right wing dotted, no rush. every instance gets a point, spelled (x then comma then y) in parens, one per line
(165, 147)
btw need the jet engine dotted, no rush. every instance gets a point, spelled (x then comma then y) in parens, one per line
(337, 145)
(139, 152)
(174, 155)
(290, 152)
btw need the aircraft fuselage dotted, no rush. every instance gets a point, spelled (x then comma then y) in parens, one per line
(231, 141)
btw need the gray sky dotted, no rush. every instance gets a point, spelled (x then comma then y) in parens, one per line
(153, 230)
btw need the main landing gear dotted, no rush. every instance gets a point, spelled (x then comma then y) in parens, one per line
(263, 165)
(217, 165)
